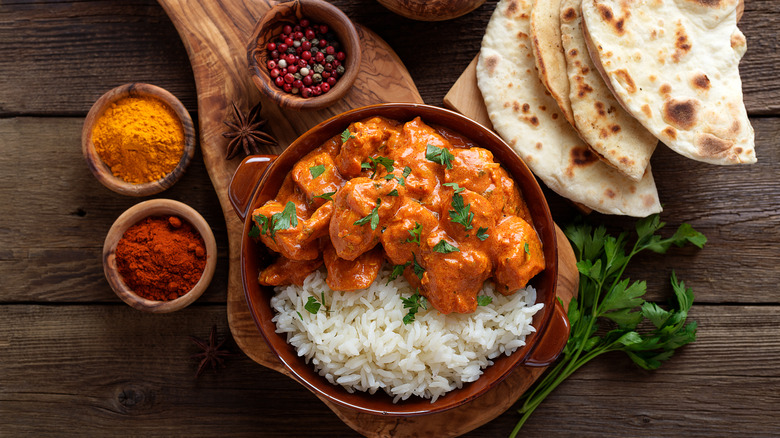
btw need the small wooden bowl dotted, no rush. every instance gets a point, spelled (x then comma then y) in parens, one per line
(431, 10)
(103, 173)
(270, 26)
(157, 207)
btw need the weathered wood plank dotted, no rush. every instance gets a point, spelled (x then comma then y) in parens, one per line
(110, 369)
(53, 226)
(78, 50)
(56, 214)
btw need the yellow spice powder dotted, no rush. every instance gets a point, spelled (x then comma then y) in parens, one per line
(139, 138)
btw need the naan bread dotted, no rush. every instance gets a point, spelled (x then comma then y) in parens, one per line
(548, 52)
(528, 119)
(674, 65)
(610, 131)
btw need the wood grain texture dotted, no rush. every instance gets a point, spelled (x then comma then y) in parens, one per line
(94, 46)
(107, 370)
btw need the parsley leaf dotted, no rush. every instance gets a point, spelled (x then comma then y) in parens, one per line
(461, 214)
(316, 171)
(604, 295)
(414, 303)
(262, 221)
(397, 270)
(482, 234)
(445, 247)
(254, 231)
(455, 187)
(484, 300)
(346, 135)
(326, 196)
(415, 232)
(374, 163)
(288, 218)
(312, 305)
(526, 248)
(393, 192)
(439, 155)
(372, 217)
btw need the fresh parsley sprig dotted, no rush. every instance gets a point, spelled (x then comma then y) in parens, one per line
(439, 155)
(605, 297)
(372, 218)
(414, 303)
(346, 135)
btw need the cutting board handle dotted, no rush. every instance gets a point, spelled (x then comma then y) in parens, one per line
(246, 181)
(553, 340)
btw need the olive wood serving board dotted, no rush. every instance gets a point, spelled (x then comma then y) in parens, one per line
(215, 34)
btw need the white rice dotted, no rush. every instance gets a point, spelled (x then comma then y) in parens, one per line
(362, 343)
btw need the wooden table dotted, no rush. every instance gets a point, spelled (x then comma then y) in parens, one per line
(73, 358)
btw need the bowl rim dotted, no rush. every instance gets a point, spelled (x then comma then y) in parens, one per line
(296, 8)
(415, 405)
(133, 215)
(103, 173)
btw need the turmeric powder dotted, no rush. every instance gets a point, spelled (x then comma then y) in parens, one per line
(140, 138)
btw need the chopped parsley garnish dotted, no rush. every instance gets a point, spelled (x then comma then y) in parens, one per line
(316, 171)
(286, 219)
(313, 305)
(445, 247)
(346, 135)
(455, 187)
(414, 303)
(415, 232)
(482, 234)
(527, 249)
(326, 196)
(374, 164)
(372, 217)
(299, 315)
(393, 192)
(484, 300)
(397, 270)
(439, 155)
(461, 214)
(254, 231)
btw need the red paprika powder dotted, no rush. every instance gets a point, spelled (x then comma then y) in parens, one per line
(161, 258)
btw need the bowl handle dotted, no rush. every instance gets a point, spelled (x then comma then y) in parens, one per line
(553, 340)
(246, 181)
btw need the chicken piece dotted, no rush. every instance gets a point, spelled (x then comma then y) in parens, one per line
(518, 255)
(316, 174)
(362, 207)
(467, 216)
(285, 271)
(406, 230)
(289, 192)
(506, 189)
(452, 280)
(409, 150)
(367, 138)
(283, 231)
(349, 275)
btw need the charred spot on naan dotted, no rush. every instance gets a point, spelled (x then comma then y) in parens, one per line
(624, 78)
(618, 24)
(681, 113)
(700, 81)
(580, 156)
(708, 3)
(665, 89)
(647, 111)
(682, 46)
(709, 145)
(670, 132)
(491, 62)
(569, 15)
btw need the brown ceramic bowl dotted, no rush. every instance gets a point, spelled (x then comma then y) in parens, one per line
(431, 10)
(270, 26)
(246, 194)
(138, 212)
(103, 173)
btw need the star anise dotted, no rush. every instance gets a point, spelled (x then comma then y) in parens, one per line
(245, 132)
(211, 353)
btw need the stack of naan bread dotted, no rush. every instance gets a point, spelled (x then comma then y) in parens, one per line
(584, 89)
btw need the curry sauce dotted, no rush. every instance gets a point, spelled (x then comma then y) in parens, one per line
(424, 199)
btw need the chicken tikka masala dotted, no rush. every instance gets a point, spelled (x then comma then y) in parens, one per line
(435, 206)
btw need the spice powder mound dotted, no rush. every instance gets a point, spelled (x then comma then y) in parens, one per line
(161, 258)
(140, 138)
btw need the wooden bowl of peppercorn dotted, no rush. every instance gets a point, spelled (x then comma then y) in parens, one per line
(159, 256)
(304, 54)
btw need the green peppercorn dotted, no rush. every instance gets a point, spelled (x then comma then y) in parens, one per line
(316, 77)
(340, 70)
